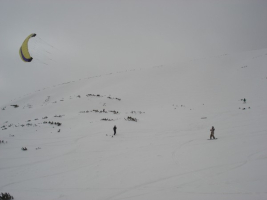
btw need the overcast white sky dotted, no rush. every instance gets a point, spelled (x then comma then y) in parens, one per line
(101, 36)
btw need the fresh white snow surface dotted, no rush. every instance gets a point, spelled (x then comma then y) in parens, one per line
(166, 154)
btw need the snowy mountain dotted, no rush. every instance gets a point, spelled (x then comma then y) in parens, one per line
(161, 150)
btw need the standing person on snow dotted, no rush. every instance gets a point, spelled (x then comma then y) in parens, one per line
(114, 129)
(212, 132)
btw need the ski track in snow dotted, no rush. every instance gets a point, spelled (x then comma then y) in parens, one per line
(175, 176)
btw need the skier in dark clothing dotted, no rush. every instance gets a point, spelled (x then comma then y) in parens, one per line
(212, 133)
(114, 129)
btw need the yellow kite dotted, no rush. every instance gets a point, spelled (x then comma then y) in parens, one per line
(23, 51)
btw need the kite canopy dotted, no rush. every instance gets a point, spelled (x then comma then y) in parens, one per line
(23, 51)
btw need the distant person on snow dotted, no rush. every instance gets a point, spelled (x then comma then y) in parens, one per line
(114, 129)
(244, 100)
(212, 133)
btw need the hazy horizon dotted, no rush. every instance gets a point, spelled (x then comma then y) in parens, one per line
(98, 37)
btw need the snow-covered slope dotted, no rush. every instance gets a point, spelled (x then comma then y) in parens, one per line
(166, 154)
